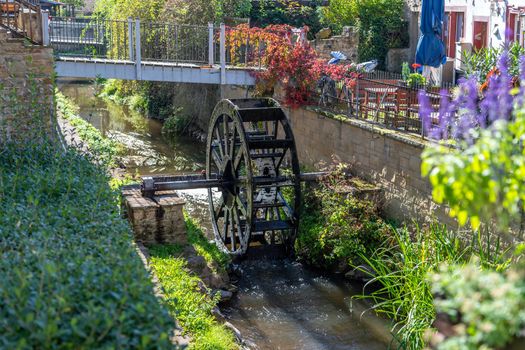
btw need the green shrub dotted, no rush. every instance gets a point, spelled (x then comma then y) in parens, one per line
(294, 13)
(71, 277)
(480, 63)
(415, 80)
(337, 228)
(139, 103)
(485, 308)
(405, 71)
(380, 23)
(175, 124)
(187, 302)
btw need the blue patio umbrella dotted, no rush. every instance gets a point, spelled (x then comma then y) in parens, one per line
(430, 48)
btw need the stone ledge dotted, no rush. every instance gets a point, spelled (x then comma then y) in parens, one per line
(158, 220)
(378, 129)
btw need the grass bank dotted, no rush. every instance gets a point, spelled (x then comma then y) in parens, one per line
(104, 149)
(71, 277)
(187, 298)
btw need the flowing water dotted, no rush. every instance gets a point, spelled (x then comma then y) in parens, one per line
(279, 304)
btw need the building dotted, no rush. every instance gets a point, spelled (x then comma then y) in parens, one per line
(471, 25)
(482, 23)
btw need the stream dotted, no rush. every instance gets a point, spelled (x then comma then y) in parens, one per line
(280, 304)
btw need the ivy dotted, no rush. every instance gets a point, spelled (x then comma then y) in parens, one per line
(71, 278)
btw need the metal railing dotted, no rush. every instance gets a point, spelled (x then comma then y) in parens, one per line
(22, 18)
(133, 39)
(166, 42)
(90, 38)
(386, 102)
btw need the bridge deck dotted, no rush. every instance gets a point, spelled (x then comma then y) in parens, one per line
(84, 67)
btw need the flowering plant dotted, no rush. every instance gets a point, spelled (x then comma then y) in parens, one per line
(482, 177)
(416, 66)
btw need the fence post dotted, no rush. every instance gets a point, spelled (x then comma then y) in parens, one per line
(138, 65)
(357, 107)
(45, 28)
(223, 53)
(130, 38)
(210, 44)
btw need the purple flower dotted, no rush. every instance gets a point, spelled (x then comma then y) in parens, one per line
(460, 117)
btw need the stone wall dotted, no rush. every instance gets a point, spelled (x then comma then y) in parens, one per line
(396, 57)
(157, 220)
(26, 90)
(384, 157)
(347, 43)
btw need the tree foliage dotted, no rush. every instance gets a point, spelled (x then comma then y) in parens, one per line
(293, 13)
(380, 24)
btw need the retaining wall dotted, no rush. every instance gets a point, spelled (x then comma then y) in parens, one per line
(26, 90)
(388, 158)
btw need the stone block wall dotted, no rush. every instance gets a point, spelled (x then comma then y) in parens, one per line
(26, 90)
(384, 157)
(158, 220)
(347, 43)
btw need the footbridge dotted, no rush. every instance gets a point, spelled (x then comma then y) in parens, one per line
(132, 49)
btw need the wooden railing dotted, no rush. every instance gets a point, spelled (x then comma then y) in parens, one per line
(22, 18)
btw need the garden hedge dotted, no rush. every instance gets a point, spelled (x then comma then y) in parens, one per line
(70, 275)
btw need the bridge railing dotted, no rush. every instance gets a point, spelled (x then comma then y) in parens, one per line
(142, 43)
(167, 42)
(91, 38)
(23, 18)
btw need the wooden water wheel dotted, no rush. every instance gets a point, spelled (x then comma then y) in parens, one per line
(251, 151)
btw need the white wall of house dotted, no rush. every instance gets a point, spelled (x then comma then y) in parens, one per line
(491, 12)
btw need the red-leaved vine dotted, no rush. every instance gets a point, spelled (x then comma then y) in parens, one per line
(287, 60)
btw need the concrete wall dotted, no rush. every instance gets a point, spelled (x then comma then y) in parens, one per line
(26, 90)
(382, 156)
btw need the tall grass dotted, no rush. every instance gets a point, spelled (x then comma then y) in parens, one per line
(400, 269)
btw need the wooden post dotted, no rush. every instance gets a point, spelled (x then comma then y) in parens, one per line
(138, 64)
(223, 53)
(211, 45)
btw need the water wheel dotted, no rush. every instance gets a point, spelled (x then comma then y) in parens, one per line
(251, 149)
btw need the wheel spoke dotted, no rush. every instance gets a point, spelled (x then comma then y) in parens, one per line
(216, 158)
(219, 142)
(226, 133)
(232, 146)
(232, 231)
(226, 223)
(238, 159)
(241, 206)
(219, 209)
(242, 241)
